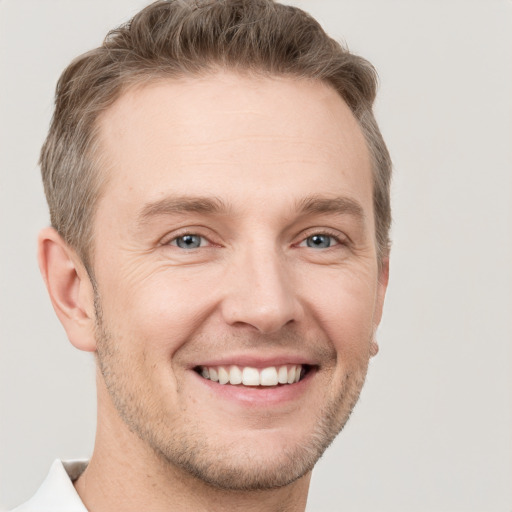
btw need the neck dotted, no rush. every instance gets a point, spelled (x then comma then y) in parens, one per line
(125, 474)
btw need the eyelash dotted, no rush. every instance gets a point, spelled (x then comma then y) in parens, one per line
(336, 236)
(339, 240)
(188, 232)
(182, 237)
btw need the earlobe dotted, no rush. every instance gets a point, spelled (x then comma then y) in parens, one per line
(374, 347)
(69, 287)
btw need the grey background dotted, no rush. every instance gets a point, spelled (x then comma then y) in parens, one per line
(433, 429)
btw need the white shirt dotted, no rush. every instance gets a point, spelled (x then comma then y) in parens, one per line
(57, 494)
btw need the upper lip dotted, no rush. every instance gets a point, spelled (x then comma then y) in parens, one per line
(257, 361)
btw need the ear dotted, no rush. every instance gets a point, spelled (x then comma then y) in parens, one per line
(382, 286)
(69, 287)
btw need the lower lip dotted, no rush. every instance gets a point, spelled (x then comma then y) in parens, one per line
(259, 396)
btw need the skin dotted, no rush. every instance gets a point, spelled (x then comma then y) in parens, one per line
(256, 167)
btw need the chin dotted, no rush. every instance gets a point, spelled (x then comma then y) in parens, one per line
(245, 469)
(254, 460)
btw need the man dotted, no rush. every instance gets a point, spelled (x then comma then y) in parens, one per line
(219, 197)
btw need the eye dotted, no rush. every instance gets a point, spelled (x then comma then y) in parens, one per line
(320, 241)
(188, 241)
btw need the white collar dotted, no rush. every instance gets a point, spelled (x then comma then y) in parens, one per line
(57, 493)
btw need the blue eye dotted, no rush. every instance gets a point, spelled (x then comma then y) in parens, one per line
(188, 241)
(319, 241)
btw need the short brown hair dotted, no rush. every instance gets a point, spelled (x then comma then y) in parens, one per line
(192, 37)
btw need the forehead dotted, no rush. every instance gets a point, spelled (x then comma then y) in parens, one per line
(234, 136)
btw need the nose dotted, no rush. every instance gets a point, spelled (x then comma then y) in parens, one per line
(260, 292)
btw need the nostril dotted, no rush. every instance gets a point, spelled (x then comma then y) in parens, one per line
(263, 301)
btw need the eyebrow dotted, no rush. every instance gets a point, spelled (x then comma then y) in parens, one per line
(216, 206)
(183, 204)
(334, 205)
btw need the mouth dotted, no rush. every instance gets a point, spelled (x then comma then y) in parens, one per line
(271, 376)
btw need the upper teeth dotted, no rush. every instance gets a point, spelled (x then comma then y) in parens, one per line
(248, 376)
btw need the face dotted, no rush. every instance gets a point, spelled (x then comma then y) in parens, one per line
(237, 282)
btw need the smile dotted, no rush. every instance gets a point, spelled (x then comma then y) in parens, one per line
(249, 376)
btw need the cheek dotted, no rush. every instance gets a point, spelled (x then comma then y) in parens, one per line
(345, 310)
(160, 310)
